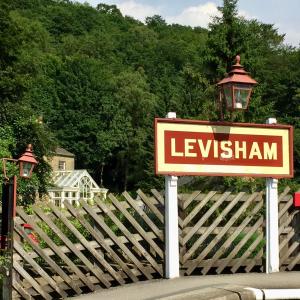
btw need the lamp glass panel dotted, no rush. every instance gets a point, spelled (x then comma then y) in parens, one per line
(26, 169)
(241, 96)
(228, 95)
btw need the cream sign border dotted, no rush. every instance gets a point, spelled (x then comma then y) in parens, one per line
(285, 131)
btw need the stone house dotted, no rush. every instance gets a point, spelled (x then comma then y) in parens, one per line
(62, 160)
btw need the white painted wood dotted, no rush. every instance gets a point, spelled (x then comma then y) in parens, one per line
(272, 294)
(171, 228)
(171, 224)
(171, 115)
(258, 294)
(272, 231)
(281, 294)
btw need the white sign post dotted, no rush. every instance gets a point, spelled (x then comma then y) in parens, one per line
(272, 232)
(171, 224)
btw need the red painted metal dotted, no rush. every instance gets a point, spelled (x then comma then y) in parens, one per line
(26, 225)
(237, 160)
(30, 233)
(3, 242)
(223, 123)
(14, 195)
(297, 200)
(238, 79)
(238, 75)
(29, 158)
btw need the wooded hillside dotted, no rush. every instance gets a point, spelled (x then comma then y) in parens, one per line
(98, 79)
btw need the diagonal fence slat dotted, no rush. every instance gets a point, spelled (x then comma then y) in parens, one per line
(234, 218)
(239, 246)
(128, 235)
(286, 222)
(92, 251)
(208, 232)
(121, 240)
(296, 260)
(252, 264)
(196, 210)
(151, 205)
(284, 193)
(145, 217)
(121, 245)
(284, 209)
(52, 245)
(213, 243)
(191, 198)
(21, 290)
(38, 269)
(137, 226)
(205, 217)
(210, 246)
(158, 196)
(20, 270)
(52, 264)
(291, 249)
(247, 253)
(68, 243)
(113, 254)
(286, 240)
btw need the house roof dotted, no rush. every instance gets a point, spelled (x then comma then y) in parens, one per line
(63, 152)
(71, 179)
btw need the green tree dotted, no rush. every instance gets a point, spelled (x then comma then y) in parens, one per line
(99, 79)
(138, 103)
(25, 38)
(226, 38)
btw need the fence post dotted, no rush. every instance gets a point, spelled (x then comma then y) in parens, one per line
(7, 230)
(272, 232)
(171, 224)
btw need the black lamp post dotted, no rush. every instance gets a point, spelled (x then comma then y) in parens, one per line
(26, 163)
(236, 89)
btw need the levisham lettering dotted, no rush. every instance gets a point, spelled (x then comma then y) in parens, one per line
(199, 148)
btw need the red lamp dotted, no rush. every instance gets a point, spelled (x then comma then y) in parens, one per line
(27, 162)
(237, 87)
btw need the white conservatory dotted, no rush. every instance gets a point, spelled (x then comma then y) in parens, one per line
(73, 186)
(69, 184)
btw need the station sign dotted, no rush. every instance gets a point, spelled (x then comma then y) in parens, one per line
(191, 147)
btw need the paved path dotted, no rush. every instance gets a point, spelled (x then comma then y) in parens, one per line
(198, 287)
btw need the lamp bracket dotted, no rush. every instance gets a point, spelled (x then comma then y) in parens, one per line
(4, 160)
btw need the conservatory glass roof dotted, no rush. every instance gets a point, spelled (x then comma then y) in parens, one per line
(63, 179)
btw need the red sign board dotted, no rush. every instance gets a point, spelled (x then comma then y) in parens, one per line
(188, 147)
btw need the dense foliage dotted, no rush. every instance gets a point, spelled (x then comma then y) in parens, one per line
(98, 79)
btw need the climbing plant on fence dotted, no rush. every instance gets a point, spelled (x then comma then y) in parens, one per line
(121, 240)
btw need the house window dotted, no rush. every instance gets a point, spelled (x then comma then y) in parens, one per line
(61, 165)
(74, 194)
(56, 194)
(66, 194)
(57, 203)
